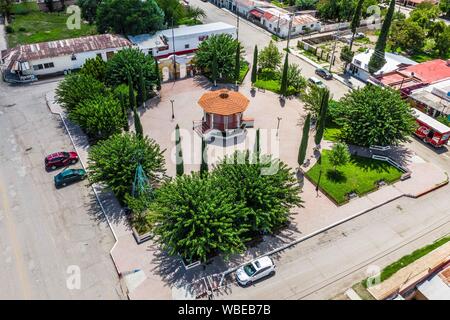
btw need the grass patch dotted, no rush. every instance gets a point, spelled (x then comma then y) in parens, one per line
(274, 86)
(36, 27)
(242, 73)
(359, 175)
(24, 7)
(332, 132)
(364, 40)
(279, 4)
(391, 269)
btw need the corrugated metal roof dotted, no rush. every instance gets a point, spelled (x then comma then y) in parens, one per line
(43, 50)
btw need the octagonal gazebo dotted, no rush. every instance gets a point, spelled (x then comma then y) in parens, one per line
(223, 110)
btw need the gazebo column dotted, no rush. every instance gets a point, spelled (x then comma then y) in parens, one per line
(225, 122)
(211, 116)
(239, 116)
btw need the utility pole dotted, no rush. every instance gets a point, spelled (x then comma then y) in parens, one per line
(237, 22)
(173, 55)
(289, 31)
(278, 24)
(334, 46)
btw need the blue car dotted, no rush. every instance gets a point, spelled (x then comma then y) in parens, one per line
(69, 176)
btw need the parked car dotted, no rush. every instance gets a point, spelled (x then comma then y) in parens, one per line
(360, 35)
(60, 159)
(317, 82)
(68, 176)
(324, 73)
(255, 270)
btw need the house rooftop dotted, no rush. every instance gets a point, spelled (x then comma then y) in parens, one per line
(44, 50)
(428, 72)
(197, 29)
(393, 61)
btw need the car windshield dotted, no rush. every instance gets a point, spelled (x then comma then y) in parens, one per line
(65, 154)
(249, 270)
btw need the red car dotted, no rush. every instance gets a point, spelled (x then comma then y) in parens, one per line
(60, 159)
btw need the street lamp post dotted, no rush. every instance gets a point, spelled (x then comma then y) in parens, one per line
(289, 31)
(334, 46)
(173, 115)
(278, 125)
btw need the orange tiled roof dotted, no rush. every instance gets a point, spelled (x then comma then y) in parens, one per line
(223, 102)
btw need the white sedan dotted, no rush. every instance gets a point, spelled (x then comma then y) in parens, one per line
(255, 270)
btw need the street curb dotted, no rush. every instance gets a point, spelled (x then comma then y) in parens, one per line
(437, 186)
(92, 186)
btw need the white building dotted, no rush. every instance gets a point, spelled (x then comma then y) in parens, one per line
(433, 99)
(359, 67)
(270, 17)
(179, 41)
(28, 62)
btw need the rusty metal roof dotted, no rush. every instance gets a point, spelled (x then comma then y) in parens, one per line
(44, 50)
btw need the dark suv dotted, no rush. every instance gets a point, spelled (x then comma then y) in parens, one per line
(324, 74)
(60, 159)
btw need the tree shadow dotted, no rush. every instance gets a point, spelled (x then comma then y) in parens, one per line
(336, 176)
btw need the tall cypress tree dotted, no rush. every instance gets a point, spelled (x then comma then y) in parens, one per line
(255, 64)
(124, 107)
(237, 64)
(137, 124)
(142, 89)
(322, 116)
(284, 80)
(158, 76)
(377, 60)
(304, 143)
(257, 146)
(179, 152)
(204, 164)
(214, 70)
(131, 96)
(356, 20)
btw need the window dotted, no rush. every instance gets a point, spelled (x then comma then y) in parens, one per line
(186, 46)
(312, 26)
(201, 38)
(38, 67)
(99, 55)
(49, 65)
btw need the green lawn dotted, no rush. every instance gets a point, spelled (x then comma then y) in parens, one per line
(40, 27)
(359, 175)
(332, 132)
(274, 86)
(391, 269)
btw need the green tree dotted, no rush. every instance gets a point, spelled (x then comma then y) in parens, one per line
(5, 8)
(88, 9)
(129, 17)
(284, 77)
(407, 35)
(76, 88)
(306, 4)
(124, 107)
(196, 218)
(204, 163)
(443, 43)
(137, 124)
(425, 14)
(294, 78)
(376, 116)
(237, 63)
(325, 97)
(339, 155)
(270, 57)
(340, 10)
(444, 5)
(312, 98)
(255, 65)
(257, 147)
(214, 71)
(304, 142)
(130, 62)
(99, 116)
(95, 67)
(131, 94)
(355, 21)
(267, 188)
(179, 152)
(377, 60)
(143, 89)
(223, 47)
(173, 11)
(113, 162)
(346, 55)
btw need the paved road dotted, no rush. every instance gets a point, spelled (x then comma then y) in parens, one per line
(328, 264)
(46, 234)
(251, 35)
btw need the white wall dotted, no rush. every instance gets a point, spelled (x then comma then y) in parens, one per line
(63, 63)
